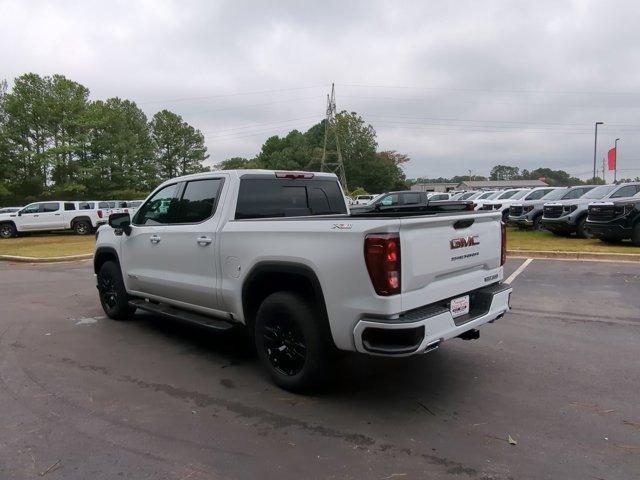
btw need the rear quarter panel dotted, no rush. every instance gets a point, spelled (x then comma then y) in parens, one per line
(333, 249)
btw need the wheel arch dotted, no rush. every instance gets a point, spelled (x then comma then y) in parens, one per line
(102, 255)
(80, 218)
(269, 277)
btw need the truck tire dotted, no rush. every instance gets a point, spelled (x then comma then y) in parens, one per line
(82, 227)
(113, 295)
(7, 230)
(291, 342)
(582, 231)
(635, 236)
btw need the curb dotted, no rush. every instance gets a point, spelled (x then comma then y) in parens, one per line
(587, 256)
(69, 258)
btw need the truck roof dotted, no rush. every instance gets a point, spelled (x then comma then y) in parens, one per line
(246, 171)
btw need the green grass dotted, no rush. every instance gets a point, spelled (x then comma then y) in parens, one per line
(543, 240)
(48, 245)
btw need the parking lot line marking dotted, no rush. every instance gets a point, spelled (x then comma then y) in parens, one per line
(519, 270)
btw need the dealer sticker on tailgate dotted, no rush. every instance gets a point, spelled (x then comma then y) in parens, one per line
(459, 306)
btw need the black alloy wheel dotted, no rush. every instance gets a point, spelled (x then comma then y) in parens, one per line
(7, 230)
(112, 292)
(285, 345)
(293, 341)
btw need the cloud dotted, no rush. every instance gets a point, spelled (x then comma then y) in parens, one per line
(457, 86)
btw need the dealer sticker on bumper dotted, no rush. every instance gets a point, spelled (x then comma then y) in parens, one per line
(459, 306)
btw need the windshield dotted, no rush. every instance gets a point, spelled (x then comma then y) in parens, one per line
(373, 199)
(473, 196)
(489, 195)
(519, 194)
(555, 194)
(510, 194)
(599, 192)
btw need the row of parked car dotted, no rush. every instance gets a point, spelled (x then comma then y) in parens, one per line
(608, 212)
(82, 217)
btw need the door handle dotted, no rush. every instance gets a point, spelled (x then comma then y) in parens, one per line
(36, 216)
(57, 214)
(154, 239)
(204, 241)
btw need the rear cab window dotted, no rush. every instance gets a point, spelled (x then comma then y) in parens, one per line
(268, 197)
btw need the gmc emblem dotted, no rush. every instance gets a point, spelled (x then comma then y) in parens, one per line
(461, 242)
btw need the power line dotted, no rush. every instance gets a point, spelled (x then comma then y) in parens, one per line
(260, 124)
(476, 129)
(236, 94)
(484, 90)
(239, 107)
(581, 105)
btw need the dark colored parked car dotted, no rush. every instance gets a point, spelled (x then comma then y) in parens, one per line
(408, 201)
(568, 216)
(613, 221)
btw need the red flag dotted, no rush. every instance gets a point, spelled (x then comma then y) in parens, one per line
(612, 159)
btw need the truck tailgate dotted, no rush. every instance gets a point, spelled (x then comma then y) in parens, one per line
(443, 256)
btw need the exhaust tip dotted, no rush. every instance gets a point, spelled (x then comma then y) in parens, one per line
(432, 346)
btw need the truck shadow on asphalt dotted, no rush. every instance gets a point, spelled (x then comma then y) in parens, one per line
(234, 362)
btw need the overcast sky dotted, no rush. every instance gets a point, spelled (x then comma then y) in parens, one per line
(457, 86)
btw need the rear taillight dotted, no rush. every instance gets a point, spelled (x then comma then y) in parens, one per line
(382, 256)
(503, 248)
(100, 214)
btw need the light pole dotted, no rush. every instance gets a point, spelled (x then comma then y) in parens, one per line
(595, 146)
(615, 170)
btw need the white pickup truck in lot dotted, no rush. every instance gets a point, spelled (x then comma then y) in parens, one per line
(49, 216)
(279, 253)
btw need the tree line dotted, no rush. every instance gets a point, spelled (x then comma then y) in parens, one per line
(366, 168)
(556, 178)
(57, 143)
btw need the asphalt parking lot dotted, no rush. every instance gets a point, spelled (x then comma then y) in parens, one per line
(84, 397)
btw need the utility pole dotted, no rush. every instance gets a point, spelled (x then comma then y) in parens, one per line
(335, 164)
(603, 177)
(595, 147)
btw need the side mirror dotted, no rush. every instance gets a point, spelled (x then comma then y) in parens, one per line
(19, 213)
(120, 221)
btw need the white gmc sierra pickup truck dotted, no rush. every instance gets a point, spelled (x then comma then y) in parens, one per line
(81, 217)
(279, 253)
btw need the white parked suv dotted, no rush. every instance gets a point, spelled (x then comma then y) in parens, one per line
(49, 216)
(279, 254)
(502, 202)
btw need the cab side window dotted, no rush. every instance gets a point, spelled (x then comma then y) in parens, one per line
(198, 201)
(69, 206)
(411, 198)
(160, 209)
(628, 191)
